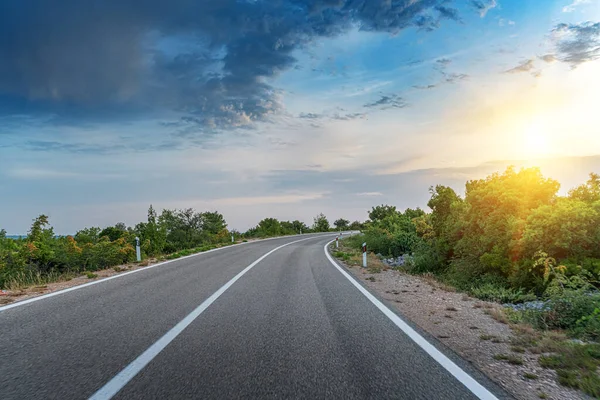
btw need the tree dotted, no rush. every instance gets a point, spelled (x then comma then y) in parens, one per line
(114, 232)
(588, 192)
(495, 212)
(269, 227)
(300, 227)
(342, 224)
(321, 224)
(379, 213)
(213, 223)
(357, 226)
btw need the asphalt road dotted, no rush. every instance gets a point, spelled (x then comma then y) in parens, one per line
(292, 326)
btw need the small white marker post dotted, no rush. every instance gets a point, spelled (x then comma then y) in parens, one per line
(232, 238)
(138, 253)
(337, 244)
(364, 249)
(301, 231)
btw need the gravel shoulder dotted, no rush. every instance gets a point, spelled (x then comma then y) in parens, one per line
(466, 326)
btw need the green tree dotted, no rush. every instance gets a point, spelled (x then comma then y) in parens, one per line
(588, 192)
(269, 227)
(381, 212)
(114, 232)
(357, 226)
(341, 224)
(213, 223)
(496, 210)
(320, 224)
(300, 227)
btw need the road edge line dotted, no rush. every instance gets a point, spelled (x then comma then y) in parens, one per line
(467, 380)
(84, 285)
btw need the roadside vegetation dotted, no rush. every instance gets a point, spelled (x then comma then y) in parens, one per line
(511, 239)
(43, 257)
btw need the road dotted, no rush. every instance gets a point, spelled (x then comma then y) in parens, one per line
(291, 326)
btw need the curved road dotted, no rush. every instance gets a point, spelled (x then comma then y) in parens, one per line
(220, 325)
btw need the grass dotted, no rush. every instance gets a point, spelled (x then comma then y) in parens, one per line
(576, 364)
(91, 275)
(509, 358)
(486, 337)
(25, 279)
(498, 314)
(530, 376)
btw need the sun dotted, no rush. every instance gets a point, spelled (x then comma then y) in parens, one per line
(536, 141)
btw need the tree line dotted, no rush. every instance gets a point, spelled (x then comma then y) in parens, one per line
(510, 238)
(42, 256)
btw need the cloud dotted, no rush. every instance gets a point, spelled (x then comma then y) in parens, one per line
(388, 101)
(370, 194)
(483, 6)
(426, 87)
(309, 116)
(571, 7)
(443, 62)
(577, 43)
(348, 117)
(39, 173)
(209, 59)
(549, 58)
(524, 66)
(455, 77)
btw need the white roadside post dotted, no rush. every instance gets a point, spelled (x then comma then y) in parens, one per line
(337, 244)
(364, 249)
(138, 253)
(232, 238)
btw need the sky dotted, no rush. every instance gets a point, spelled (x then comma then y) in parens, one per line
(285, 108)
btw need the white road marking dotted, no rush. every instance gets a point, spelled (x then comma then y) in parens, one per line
(128, 373)
(475, 387)
(45, 296)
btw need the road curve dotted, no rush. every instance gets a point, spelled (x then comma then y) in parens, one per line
(290, 326)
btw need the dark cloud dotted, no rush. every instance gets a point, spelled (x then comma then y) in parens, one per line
(483, 6)
(448, 13)
(524, 66)
(577, 43)
(443, 62)
(426, 87)
(388, 101)
(309, 116)
(206, 59)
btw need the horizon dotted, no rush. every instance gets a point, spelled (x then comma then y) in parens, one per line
(286, 110)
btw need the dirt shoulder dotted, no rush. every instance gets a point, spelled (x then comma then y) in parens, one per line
(467, 326)
(11, 296)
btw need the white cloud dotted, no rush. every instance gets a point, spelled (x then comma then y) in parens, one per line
(39, 173)
(370, 194)
(571, 7)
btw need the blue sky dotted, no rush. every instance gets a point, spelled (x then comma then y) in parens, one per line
(285, 108)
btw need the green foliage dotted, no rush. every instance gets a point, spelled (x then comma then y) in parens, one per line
(269, 227)
(320, 224)
(381, 212)
(588, 192)
(341, 224)
(576, 366)
(500, 294)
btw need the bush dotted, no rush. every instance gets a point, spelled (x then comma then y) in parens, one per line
(500, 294)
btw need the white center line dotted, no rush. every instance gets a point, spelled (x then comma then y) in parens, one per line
(470, 383)
(128, 373)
